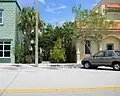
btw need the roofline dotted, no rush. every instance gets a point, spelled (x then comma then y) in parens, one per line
(13, 1)
(98, 4)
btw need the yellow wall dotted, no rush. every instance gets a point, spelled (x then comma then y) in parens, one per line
(82, 50)
(113, 37)
(94, 47)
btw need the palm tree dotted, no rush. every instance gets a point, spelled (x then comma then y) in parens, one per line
(27, 24)
(69, 31)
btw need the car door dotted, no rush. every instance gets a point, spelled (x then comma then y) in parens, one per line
(98, 58)
(109, 56)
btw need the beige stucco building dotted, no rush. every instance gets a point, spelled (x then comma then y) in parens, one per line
(110, 8)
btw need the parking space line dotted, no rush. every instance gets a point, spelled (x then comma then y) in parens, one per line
(35, 90)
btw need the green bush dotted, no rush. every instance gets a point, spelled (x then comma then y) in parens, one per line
(19, 53)
(58, 53)
(28, 59)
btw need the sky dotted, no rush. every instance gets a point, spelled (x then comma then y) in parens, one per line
(58, 11)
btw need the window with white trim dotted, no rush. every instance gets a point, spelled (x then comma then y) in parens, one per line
(1, 17)
(5, 48)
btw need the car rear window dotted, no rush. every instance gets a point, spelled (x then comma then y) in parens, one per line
(117, 52)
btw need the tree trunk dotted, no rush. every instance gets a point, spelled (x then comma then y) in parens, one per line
(89, 49)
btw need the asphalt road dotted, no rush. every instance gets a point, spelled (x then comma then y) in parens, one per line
(97, 93)
(31, 81)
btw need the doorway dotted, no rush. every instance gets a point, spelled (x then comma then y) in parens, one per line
(110, 46)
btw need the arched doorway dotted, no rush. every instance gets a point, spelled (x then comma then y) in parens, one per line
(111, 43)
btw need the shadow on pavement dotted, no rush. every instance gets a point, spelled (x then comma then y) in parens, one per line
(12, 67)
(16, 65)
(105, 69)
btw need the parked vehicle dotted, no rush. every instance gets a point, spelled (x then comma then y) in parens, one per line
(109, 58)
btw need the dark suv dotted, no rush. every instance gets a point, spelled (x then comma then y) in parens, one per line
(109, 58)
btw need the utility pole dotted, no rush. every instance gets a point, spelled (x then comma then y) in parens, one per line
(36, 40)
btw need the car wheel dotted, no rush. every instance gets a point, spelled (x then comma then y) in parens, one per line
(116, 67)
(87, 65)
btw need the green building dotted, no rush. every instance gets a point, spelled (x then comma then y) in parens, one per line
(10, 36)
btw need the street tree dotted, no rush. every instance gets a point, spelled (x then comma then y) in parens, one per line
(69, 34)
(91, 26)
(66, 33)
(27, 23)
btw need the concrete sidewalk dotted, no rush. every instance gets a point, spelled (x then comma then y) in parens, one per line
(42, 65)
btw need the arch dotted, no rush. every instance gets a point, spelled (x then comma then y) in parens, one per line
(111, 36)
(110, 42)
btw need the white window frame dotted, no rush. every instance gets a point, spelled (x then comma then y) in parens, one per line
(3, 44)
(2, 18)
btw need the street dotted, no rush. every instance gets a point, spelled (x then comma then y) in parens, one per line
(30, 81)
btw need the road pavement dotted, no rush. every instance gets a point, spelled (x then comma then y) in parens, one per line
(97, 93)
(24, 80)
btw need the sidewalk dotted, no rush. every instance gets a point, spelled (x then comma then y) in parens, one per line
(42, 65)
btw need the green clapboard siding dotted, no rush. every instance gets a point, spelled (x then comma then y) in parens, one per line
(9, 30)
(5, 60)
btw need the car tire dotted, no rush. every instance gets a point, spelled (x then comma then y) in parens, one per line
(116, 66)
(86, 65)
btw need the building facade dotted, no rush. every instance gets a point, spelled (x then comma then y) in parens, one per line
(111, 9)
(10, 36)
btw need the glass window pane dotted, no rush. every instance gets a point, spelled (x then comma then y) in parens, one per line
(6, 47)
(0, 14)
(1, 47)
(7, 54)
(0, 20)
(117, 52)
(100, 54)
(7, 42)
(1, 42)
(1, 53)
(109, 54)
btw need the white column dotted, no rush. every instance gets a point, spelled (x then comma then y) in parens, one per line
(78, 52)
(100, 46)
